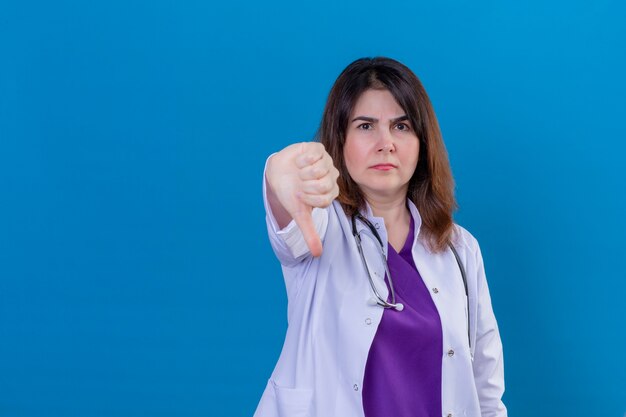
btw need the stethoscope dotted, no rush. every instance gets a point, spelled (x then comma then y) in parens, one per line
(377, 299)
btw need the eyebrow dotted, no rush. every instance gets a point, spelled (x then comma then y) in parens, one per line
(374, 120)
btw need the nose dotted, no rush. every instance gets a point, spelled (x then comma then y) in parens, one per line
(386, 143)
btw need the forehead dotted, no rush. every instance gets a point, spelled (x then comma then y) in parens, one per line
(377, 102)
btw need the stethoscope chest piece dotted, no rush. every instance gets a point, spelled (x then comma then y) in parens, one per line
(377, 299)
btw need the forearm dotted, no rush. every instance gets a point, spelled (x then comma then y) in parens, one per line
(281, 215)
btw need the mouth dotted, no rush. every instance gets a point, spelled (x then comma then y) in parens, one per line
(383, 167)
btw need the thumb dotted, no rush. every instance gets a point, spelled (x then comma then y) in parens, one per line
(304, 220)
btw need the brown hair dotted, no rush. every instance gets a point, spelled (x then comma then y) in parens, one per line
(432, 187)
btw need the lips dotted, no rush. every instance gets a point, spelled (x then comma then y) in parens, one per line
(384, 167)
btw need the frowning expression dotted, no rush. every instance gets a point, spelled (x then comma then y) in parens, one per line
(381, 148)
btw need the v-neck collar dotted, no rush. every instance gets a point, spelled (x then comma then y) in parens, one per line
(408, 243)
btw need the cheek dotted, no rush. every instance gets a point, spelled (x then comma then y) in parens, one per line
(351, 156)
(414, 152)
(348, 160)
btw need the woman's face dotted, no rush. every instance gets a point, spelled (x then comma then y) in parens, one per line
(381, 148)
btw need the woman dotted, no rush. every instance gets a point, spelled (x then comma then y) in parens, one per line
(393, 317)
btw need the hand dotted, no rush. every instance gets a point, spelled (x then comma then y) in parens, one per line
(300, 177)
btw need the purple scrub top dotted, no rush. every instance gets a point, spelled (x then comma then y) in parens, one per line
(403, 370)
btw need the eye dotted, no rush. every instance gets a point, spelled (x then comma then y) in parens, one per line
(365, 126)
(403, 127)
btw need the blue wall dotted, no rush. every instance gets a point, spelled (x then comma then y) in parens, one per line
(136, 278)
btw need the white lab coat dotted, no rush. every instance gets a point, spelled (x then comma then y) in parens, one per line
(331, 325)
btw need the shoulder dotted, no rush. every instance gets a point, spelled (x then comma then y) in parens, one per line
(470, 253)
(463, 240)
(336, 210)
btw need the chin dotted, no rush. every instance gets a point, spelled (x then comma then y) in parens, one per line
(387, 192)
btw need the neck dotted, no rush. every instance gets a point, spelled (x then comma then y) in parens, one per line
(394, 211)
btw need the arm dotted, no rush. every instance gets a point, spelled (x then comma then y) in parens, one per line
(488, 356)
(299, 181)
(280, 213)
(288, 242)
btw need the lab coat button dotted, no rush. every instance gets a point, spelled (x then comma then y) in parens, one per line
(449, 415)
(451, 354)
(368, 321)
(377, 226)
(435, 290)
(356, 387)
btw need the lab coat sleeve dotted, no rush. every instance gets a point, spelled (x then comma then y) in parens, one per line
(288, 243)
(488, 356)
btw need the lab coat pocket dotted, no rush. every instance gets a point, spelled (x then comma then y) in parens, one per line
(293, 402)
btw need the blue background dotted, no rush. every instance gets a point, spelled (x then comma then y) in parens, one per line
(136, 278)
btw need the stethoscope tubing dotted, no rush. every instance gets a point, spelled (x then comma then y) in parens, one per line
(378, 298)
